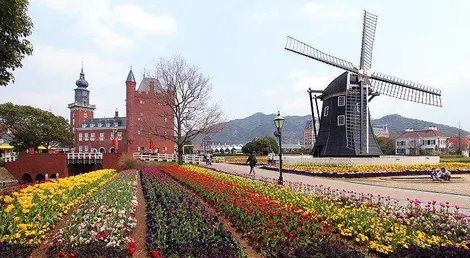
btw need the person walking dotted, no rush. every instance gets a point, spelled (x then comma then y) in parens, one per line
(252, 163)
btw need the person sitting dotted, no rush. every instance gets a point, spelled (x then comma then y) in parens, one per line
(434, 175)
(445, 174)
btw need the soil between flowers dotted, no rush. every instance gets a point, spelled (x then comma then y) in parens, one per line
(140, 232)
(42, 250)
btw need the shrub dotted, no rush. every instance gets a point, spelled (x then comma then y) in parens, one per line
(2, 163)
(128, 162)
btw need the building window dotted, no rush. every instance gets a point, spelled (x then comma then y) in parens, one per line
(92, 125)
(80, 148)
(92, 136)
(108, 125)
(101, 136)
(80, 137)
(341, 101)
(86, 136)
(141, 114)
(341, 120)
(119, 136)
(325, 111)
(166, 119)
(100, 125)
(166, 133)
(86, 148)
(115, 124)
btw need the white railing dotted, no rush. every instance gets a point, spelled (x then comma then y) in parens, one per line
(192, 158)
(6, 183)
(84, 155)
(156, 157)
(9, 158)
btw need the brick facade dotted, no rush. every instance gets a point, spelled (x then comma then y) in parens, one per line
(145, 114)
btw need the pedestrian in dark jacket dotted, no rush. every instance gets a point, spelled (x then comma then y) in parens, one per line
(252, 163)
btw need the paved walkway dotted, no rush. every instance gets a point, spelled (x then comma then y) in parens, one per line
(398, 194)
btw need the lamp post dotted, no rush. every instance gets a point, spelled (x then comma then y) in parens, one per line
(279, 122)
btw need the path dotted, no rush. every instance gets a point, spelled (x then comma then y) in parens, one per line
(395, 193)
(140, 232)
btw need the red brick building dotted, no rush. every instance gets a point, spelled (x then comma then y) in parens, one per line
(146, 115)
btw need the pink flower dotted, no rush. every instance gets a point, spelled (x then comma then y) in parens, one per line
(457, 207)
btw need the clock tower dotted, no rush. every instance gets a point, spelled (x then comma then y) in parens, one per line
(80, 109)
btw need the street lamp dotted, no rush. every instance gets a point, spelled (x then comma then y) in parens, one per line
(279, 122)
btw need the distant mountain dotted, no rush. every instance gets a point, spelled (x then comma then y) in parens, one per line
(398, 124)
(259, 125)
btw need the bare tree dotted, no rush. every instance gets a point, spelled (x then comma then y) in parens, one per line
(414, 145)
(186, 104)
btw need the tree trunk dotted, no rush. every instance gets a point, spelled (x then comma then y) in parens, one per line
(180, 154)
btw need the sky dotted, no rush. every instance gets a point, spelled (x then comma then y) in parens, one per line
(240, 45)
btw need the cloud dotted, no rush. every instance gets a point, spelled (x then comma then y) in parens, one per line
(334, 10)
(53, 72)
(302, 80)
(262, 16)
(113, 27)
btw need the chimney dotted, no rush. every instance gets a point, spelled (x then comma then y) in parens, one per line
(152, 86)
(116, 113)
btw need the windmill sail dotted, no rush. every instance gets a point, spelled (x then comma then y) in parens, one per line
(368, 36)
(301, 48)
(406, 90)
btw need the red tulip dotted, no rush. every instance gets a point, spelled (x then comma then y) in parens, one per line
(132, 250)
(154, 254)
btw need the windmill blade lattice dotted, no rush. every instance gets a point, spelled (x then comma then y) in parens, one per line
(406, 90)
(301, 48)
(368, 36)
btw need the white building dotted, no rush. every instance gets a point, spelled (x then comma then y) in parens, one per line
(226, 148)
(416, 142)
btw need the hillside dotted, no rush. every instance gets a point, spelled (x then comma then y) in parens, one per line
(259, 124)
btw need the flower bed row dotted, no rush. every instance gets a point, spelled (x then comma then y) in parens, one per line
(333, 174)
(343, 169)
(277, 229)
(26, 215)
(101, 226)
(377, 226)
(179, 224)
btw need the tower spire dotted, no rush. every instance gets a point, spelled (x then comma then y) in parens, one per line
(130, 76)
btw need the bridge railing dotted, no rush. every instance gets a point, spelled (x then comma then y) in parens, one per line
(84, 157)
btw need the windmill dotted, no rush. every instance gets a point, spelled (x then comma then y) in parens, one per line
(345, 128)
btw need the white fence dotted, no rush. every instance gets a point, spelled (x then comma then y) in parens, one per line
(6, 183)
(155, 157)
(9, 158)
(188, 158)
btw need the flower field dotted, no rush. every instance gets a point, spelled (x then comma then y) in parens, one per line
(179, 224)
(308, 220)
(27, 214)
(101, 226)
(452, 166)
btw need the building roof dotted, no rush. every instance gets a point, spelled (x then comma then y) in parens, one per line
(104, 122)
(81, 82)
(130, 76)
(425, 133)
(145, 85)
(337, 85)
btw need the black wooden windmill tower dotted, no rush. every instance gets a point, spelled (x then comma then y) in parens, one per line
(345, 129)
